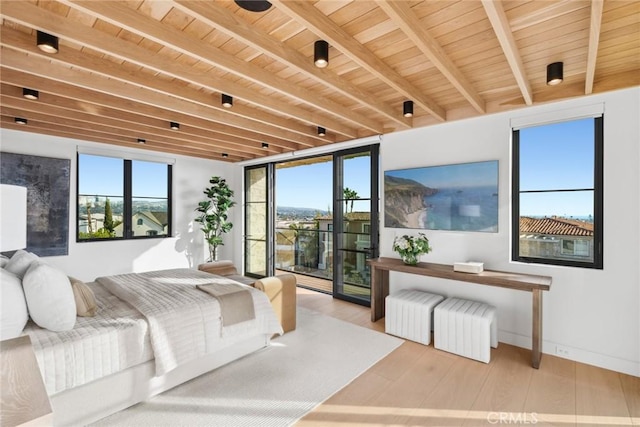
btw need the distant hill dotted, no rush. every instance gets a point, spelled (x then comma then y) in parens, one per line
(293, 213)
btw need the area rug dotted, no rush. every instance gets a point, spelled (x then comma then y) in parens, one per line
(275, 386)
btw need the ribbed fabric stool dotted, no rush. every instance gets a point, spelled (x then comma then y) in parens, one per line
(466, 328)
(409, 313)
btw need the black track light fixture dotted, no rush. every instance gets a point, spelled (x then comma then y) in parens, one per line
(20, 120)
(47, 43)
(322, 131)
(225, 155)
(265, 145)
(407, 109)
(321, 53)
(555, 73)
(254, 5)
(30, 93)
(174, 125)
(227, 101)
(142, 141)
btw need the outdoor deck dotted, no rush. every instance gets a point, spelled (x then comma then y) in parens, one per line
(323, 285)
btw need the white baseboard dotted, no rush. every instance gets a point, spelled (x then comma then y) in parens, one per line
(576, 354)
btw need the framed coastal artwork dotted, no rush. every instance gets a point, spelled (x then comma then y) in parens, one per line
(461, 197)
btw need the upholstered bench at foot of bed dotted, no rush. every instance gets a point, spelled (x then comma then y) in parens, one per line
(226, 269)
(281, 290)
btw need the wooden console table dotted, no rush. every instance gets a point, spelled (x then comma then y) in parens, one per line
(380, 268)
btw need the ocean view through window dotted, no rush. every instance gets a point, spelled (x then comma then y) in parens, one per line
(557, 193)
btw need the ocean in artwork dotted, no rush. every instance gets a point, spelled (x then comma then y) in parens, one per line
(460, 197)
(462, 208)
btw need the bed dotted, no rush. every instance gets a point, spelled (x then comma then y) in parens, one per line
(152, 331)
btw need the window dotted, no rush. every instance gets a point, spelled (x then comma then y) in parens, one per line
(122, 199)
(557, 193)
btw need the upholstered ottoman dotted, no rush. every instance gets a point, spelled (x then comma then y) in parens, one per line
(466, 328)
(227, 269)
(409, 313)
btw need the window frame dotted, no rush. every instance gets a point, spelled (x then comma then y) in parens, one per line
(127, 214)
(598, 197)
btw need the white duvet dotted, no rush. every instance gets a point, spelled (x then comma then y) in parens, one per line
(185, 322)
(115, 339)
(180, 324)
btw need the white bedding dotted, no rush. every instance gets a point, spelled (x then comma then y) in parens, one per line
(184, 322)
(119, 336)
(115, 339)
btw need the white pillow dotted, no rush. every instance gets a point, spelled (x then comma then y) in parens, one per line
(3, 260)
(20, 262)
(49, 297)
(14, 315)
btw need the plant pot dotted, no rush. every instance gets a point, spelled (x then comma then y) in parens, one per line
(409, 259)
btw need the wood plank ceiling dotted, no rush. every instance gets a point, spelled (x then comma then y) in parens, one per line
(126, 69)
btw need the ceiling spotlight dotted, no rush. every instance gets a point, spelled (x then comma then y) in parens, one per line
(47, 43)
(225, 155)
(554, 73)
(20, 120)
(321, 53)
(265, 145)
(142, 141)
(322, 131)
(174, 125)
(227, 101)
(254, 5)
(30, 93)
(407, 109)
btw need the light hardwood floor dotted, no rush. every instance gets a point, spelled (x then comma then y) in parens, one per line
(418, 385)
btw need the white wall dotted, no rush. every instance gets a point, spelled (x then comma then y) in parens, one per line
(88, 260)
(593, 314)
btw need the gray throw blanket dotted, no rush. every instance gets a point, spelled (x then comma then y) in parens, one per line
(236, 304)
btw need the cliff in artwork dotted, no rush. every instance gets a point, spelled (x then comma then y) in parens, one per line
(404, 202)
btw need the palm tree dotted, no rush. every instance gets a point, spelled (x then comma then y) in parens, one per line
(349, 195)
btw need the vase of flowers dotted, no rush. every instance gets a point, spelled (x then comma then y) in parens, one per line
(411, 247)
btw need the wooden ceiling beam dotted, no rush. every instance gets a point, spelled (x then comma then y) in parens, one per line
(129, 136)
(309, 16)
(103, 104)
(35, 17)
(594, 41)
(136, 22)
(42, 67)
(87, 135)
(48, 105)
(401, 14)
(22, 42)
(500, 23)
(226, 21)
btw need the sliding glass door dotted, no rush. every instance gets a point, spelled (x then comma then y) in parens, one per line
(316, 217)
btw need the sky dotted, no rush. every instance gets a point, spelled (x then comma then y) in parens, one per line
(311, 186)
(553, 157)
(104, 176)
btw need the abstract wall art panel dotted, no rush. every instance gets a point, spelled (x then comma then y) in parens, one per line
(47, 182)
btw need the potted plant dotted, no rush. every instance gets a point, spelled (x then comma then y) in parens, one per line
(213, 216)
(410, 248)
